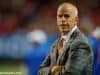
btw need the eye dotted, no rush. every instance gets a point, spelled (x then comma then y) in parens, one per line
(60, 16)
(66, 16)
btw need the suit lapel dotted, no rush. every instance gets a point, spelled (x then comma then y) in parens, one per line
(64, 50)
(54, 53)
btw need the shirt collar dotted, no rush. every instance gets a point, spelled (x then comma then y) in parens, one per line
(66, 37)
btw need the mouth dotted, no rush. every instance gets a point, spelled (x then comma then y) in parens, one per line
(64, 25)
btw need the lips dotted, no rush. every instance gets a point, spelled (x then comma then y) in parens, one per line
(64, 25)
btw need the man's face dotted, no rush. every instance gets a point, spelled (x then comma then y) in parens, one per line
(66, 19)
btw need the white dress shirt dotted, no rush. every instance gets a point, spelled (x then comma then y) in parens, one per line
(66, 37)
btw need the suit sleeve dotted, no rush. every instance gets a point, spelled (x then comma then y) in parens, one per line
(78, 60)
(45, 66)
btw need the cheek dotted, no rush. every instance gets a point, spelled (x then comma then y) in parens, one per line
(58, 22)
(71, 22)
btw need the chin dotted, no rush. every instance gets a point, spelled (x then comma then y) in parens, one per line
(65, 32)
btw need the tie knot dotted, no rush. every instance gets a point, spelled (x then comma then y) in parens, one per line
(62, 39)
(61, 42)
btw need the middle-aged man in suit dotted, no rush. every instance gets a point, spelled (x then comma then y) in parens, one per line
(71, 53)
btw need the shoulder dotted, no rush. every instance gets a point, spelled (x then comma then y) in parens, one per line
(80, 40)
(54, 45)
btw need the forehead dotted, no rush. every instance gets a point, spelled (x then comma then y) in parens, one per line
(67, 9)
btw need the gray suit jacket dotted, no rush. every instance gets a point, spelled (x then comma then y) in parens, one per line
(76, 56)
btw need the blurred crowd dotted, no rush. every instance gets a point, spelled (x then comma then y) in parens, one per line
(28, 29)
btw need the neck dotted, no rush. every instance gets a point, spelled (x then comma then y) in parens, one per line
(64, 33)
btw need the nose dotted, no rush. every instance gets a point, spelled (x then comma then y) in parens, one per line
(63, 19)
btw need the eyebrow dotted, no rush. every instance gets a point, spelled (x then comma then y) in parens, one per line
(65, 15)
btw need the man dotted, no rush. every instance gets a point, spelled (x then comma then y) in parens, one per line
(71, 53)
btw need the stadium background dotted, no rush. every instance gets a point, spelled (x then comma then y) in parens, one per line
(28, 29)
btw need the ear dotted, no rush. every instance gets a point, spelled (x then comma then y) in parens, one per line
(77, 19)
